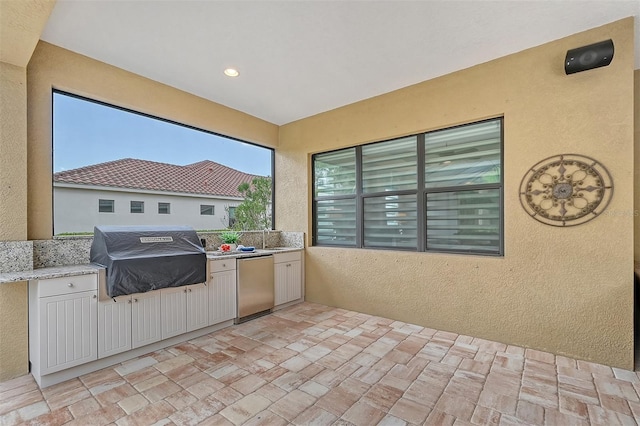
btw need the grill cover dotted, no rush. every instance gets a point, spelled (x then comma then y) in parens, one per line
(144, 258)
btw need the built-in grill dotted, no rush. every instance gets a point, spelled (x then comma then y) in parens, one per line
(144, 258)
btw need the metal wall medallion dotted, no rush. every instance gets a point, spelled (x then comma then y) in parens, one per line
(566, 190)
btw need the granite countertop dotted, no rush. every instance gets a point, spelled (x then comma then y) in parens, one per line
(70, 270)
(258, 252)
(45, 273)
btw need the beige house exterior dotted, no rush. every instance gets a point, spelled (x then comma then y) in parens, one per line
(568, 291)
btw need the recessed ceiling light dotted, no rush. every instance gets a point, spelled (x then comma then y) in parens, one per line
(231, 72)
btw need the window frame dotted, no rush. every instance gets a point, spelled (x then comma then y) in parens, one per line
(141, 207)
(113, 205)
(167, 205)
(421, 193)
(213, 209)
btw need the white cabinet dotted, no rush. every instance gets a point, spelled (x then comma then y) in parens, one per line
(288, 277)
(184, 309)
(62, 322)
(222, 290)
(145, 318)
(174, 311)
(114, 326)
(197, 306)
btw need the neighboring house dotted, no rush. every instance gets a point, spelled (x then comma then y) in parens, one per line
(139, 192)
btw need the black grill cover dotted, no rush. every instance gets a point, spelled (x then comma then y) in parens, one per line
(145, 258)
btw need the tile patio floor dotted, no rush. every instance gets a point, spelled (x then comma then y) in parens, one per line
(315, 365)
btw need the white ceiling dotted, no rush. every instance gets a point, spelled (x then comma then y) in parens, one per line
(300, 58)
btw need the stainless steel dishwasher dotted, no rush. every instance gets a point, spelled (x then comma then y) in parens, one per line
(255, 287)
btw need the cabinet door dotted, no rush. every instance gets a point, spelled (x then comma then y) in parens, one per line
(287, 281)
(68, 330)
(197, 306)
(145, 319)
(222, 296)
(114, 326)
(174, 311)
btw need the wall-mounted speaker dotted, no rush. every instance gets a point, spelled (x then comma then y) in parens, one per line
(588, 57)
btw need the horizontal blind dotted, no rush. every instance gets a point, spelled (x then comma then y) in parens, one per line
(390, 221)
(335, 173)
(336, 222)
(390, 166)
(467, 155)
(464, 221)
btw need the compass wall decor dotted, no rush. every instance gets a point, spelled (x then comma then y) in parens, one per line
(566, 190)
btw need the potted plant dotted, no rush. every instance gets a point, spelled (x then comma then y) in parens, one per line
(229, 239)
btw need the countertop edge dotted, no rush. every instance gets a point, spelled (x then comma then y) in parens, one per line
(49, 272)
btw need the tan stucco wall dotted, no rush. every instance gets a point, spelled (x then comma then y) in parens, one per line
(53, 67)
(564, 290)
(13, 215)
(636, 180)
(21, 22)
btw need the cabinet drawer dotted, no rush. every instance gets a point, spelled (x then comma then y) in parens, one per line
(286, 257)
(222, 265)
(66, 285)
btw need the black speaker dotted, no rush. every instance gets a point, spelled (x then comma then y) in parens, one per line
(588, 57)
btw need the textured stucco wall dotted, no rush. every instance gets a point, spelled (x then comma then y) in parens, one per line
(13, 217)
(636, 211)
(54, 67)
(564, 290)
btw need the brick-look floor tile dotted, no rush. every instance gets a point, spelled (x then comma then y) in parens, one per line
(134, 403)
(216, 420)
(457, 406)
(362, 413)
(336, 401)
(197, 412)
(292, 404)
(242, 410)
(162, 391)
(390, 420)
(315, 365)
(314, 416)
(19, 401)
(248, 384)
(439, 418)
(205, 388)
(55, 417)
(147, 415)
(266, 418)
(382, 396)
(83, 407)
(485, 416)
(410, 411)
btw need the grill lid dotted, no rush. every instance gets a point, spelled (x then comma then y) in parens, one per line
(144, 258)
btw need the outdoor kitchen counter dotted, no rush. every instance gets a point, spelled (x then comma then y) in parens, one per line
(45, 273)
(259, 252)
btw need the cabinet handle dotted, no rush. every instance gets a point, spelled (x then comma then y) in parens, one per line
(189, 290)
(95, 297)
(135, 300)
(185, 290)
(70, 285)
(128, 301)
(224, 265)
(205, 284)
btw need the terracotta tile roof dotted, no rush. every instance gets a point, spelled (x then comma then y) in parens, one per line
(204, 177)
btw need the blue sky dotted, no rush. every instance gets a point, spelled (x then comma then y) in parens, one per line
(86, 133)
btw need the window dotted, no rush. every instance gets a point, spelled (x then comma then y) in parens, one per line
(137, 207)
(232, 216)
(106, 206)
(438, 191)
(208, 210)
(164, 208)
(106, 151)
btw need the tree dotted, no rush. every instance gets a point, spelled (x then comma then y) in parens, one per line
(255, 211)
